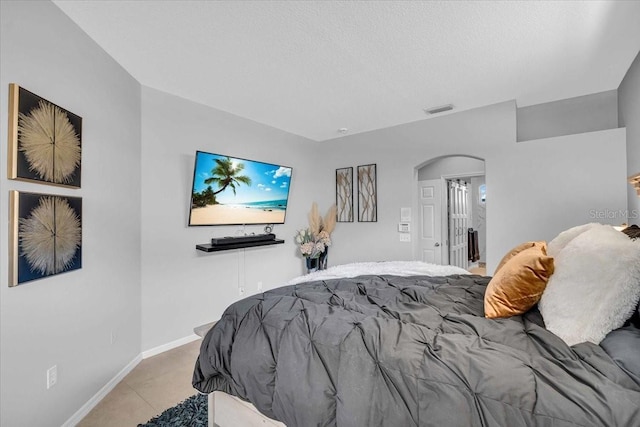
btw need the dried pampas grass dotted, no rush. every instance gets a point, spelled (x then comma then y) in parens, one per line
(315, 220)
(330, 219)
(318, 224)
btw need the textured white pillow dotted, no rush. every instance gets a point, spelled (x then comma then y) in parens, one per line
(561, 240)
(595, 287)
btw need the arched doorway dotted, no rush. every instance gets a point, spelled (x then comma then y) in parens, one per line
(451, 227)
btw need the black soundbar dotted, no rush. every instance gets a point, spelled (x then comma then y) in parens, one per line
(232, 240)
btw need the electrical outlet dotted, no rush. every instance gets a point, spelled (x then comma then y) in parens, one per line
(241, 290)
(52, 376)
(404, 237)
(259, 286)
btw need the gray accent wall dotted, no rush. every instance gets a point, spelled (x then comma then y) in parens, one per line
(629, 116)
(589, 113)
(67, 320)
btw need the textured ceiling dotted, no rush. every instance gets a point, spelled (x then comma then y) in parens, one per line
(312, 67)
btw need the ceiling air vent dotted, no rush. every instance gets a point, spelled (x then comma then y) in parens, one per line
(440, 109)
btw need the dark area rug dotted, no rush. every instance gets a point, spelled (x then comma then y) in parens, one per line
(190, 413)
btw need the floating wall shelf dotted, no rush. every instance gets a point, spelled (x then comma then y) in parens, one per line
(208, 247)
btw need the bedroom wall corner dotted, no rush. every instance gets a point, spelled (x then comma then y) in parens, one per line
(67, 320)
(182, 287)
(629, 117)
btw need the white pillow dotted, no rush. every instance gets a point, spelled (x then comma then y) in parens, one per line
(595, 287)
(561, 240)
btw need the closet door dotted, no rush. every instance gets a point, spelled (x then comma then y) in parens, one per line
(458, 195)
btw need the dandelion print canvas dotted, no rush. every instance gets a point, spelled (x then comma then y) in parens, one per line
(367, 194)
(44, 140)
(46, 236)
(344, 194)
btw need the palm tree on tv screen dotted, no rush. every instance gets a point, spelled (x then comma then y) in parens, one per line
(226, 174)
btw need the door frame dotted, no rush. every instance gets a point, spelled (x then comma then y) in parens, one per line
(415, 200)
(444, 217)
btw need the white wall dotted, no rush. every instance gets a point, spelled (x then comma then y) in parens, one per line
(399, 152)
(590, 166)
(67, 320)
(182, 287)
(629, 116)
(549, 185)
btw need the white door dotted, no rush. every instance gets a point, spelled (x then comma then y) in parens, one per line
(430, 200)
(458, 224)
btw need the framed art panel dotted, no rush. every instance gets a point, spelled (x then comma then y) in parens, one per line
(45, 235)
(344, 195)
(367, 194)
(45, 140)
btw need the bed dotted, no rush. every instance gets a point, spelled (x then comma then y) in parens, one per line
(410, 345)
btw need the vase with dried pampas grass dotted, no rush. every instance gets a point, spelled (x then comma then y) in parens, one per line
(315, 240)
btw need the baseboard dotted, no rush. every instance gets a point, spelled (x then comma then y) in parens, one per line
(170, 345)
(87, 407)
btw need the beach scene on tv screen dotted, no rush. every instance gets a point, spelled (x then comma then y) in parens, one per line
(227, 190)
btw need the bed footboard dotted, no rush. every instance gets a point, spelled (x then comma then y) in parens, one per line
(211, 409)
(229, 411)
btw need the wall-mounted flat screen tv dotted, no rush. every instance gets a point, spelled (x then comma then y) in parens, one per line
(233, 191)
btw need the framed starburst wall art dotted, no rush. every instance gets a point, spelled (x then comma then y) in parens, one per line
(45, 140)
(45, 235)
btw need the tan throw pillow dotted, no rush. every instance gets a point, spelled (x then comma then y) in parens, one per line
(519, 284)
(521, 247)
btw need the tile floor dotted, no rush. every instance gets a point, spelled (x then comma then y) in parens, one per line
(480, 268)
(156, 384)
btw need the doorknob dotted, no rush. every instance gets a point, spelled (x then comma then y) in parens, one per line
(437, 244)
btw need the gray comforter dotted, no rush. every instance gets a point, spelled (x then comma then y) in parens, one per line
(407, 351)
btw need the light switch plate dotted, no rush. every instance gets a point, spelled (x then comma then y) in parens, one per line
(405, 214)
